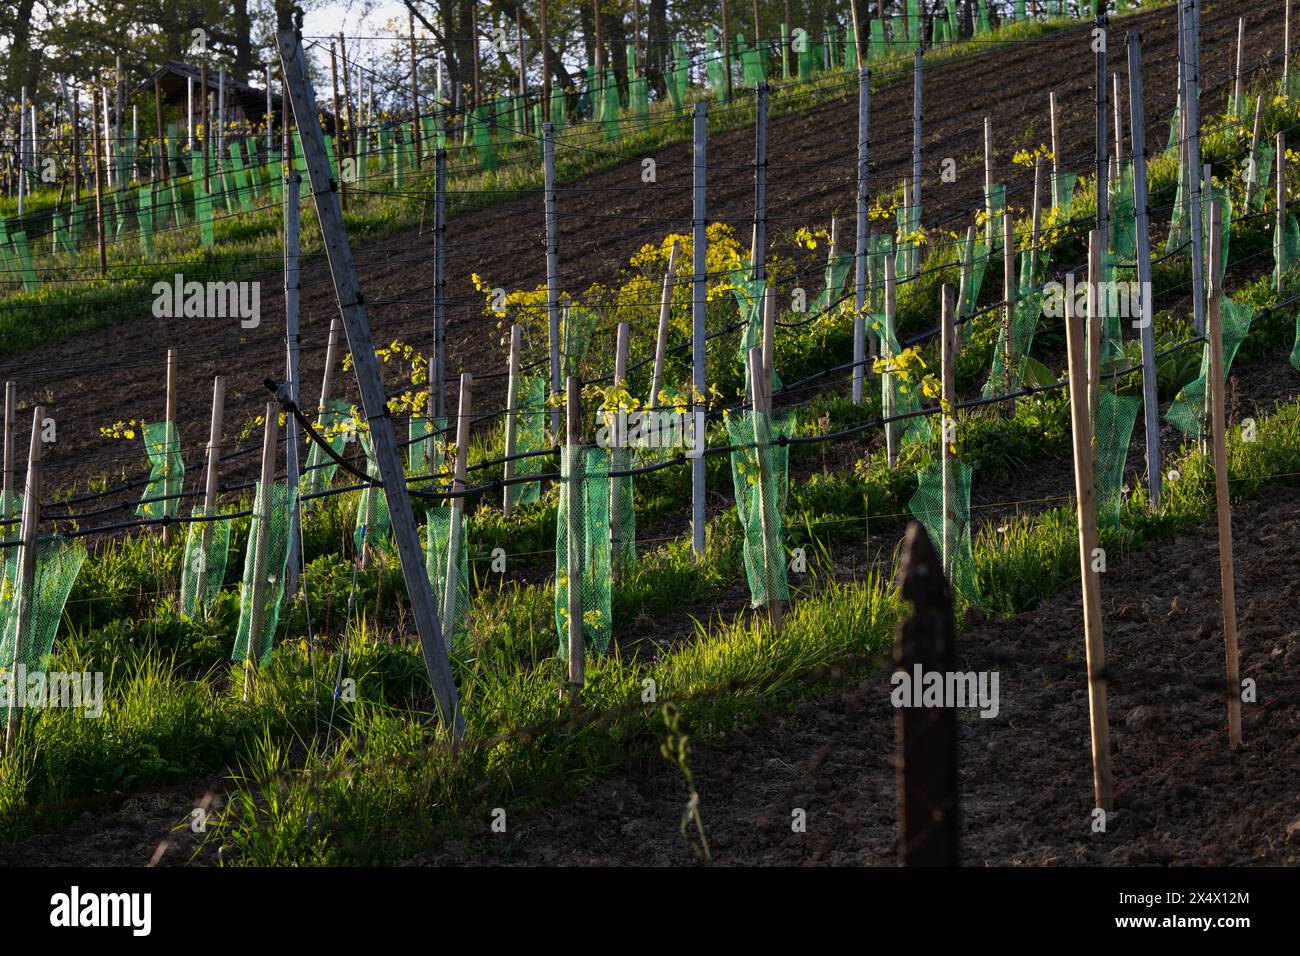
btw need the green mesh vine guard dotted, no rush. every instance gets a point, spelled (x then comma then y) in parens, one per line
(752, 435)
(1188, 412)
(373, 522)
(951, 533)
(437, 553)
(166, 473)
(203, 571)
(261, 590)
(584, 476)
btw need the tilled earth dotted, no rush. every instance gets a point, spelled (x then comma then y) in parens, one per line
(1182, 797)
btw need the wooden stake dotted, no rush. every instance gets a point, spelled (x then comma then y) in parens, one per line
(947, 429)
(1282, 264)
(661, 338)
(1096, 322)
(1056, 153)
(1036, 222)
(1239, 86)
(170, 416)
(888, 405)
(1098, 714)
(573, 449)
(967, 276)
(1252, 183)
(449, 609)
(261, 546)
(769, 345)
(338, 125)
(212, 482)
(76, 145)
(1009, 296)
(162, 134)
(26, 568)
(926, 736)
(99, 191)
(988, 181)
(512, 417)
(615, 499)
(415, 82)
(1222, 501)
(764, 490)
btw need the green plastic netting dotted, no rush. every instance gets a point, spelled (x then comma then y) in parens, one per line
(1028, 309)
(995, 205)
(530, 435)
(584, 475)
(907, 260)
(577, 326)
(837, 271)
(1123, 222)
(906, 394)
(1263, 176)
(1114, 429)
(765, 557)
(203, 571)
(453, 615)
(427, 449)
(166, 474)
(951, 535)
(1063, 192)
(58, 561)
(373, 523)
(1188, 410)
(262, 589)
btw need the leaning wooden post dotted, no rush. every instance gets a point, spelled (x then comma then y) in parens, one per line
(212, 482)
(1084, 489)
(573, 451)
(620, 426)
(947, 429)
(661, 337)
(512, 417)
(1223, 502)
(1009, 290)
(926, 737)
(457, 516)
(261, 546)
(369, 381)
(26, 569)
(170, 418)
(764, 489)
(888, 403)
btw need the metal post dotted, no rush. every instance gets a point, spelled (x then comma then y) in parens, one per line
(860, 239)
(1147, 335)
(1192, 99)
(352, 306)
(439, 385)
(1103, 148)
(293, 348)
(760, 186)
(700, 245)
(916, 145)
(552, 268)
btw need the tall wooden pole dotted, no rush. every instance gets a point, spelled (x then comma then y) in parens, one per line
(1085, 493)
(415, 87)
(11, 407)
(450, 611)
(338, 124)
(262, 546)
(573, 451)
(947, 429)
(26, 570)
(170, 418)
(661, 336)
(212, 480)
(615, 499)
(374, 403)
(99, 191)
(546, 62)
(699, 300)
(1222, 501)
(512, 417)
(1009, 296)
